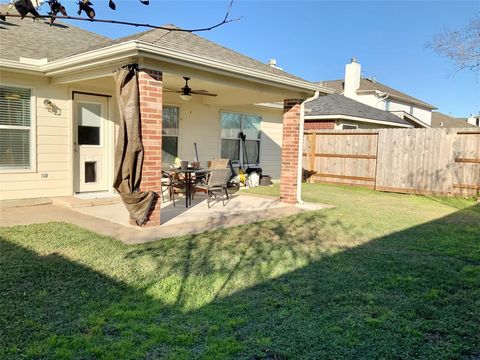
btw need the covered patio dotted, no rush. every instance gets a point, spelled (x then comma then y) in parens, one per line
(171, 127)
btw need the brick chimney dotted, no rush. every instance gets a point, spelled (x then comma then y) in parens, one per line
(353, 73)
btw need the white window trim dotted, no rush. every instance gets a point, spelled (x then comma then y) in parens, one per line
(354, 125)
(260, 150)
(33, 132)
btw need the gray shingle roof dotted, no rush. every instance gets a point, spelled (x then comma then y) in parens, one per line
(334, 104)
(440, 120)
(368, 84)
(37, 40)
(194, 45)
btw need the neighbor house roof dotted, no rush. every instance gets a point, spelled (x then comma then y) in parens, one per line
(373, 85)
(440, 120)
(37, 39)
(339, 105)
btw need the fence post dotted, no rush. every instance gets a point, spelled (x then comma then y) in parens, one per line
(376, 160)
(312, 144)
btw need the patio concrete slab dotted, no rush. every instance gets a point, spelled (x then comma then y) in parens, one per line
(112, 219)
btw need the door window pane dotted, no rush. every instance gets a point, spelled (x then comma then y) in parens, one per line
(89, 123)
(90, 171)
(88, 135)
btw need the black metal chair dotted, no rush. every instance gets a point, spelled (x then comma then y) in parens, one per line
(216, 185)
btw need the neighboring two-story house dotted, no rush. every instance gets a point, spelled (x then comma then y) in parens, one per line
(373, 107)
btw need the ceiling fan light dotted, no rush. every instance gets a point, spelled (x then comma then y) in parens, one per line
(186, 97)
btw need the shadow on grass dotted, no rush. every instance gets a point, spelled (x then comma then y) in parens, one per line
(411, 294)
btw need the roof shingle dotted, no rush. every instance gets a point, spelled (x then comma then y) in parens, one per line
(440, 120)
(36, 39)
(368, 84)
(334, 104)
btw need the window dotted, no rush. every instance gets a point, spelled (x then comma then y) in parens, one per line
(15, 128)
(241, 152)
(89, 123)
(170, 122)
(387, 105)
(349, 127)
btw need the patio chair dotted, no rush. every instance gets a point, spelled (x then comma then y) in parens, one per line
(216, 185)
(168, 184)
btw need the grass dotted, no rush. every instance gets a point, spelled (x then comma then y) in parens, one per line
(380, 276)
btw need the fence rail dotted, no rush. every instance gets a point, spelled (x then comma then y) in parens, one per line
(418, 161)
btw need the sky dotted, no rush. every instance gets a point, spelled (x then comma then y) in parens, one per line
(315, 39)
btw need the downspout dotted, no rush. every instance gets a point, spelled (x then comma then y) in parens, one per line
(300, 147)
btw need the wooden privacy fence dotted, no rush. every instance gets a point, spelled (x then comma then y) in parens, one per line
(418, 161)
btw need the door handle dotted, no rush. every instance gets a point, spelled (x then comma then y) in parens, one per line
(74, 146)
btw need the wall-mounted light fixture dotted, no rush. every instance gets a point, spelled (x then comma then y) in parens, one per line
(51, 107)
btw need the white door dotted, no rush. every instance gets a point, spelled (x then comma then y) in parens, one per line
(90, 143)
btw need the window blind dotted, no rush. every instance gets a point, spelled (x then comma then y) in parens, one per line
(15, 128)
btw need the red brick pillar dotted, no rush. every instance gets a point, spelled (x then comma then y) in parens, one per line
(290, 141)
(150, 90)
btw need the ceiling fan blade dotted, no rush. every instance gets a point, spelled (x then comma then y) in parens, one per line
(173, 91)
(202, 93)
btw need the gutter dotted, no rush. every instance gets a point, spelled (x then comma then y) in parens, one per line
(300, 147)
(355, 118)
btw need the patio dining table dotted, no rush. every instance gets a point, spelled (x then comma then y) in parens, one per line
(188, 181)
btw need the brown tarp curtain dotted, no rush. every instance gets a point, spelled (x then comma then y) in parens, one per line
(129, 148)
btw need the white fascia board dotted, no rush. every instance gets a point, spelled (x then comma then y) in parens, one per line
(20, 67)
(354, 118)
(135, 48)
(90, 59)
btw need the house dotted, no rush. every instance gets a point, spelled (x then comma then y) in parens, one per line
(336, 111)
(413, 111)
(440, 120)
(474, 120)
(59, 115)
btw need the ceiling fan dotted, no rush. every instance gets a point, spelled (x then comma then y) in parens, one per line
(186, 91)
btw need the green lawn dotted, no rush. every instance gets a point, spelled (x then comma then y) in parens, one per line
(383, 276)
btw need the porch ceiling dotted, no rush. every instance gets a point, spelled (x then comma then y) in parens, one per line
(228, 93)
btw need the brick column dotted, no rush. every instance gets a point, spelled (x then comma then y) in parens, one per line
(290, 141)
(150, 90)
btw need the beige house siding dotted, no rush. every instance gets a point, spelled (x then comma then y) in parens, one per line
(53, 144)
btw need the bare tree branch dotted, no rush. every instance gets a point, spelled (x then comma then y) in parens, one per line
(225, 20)
(462, 46)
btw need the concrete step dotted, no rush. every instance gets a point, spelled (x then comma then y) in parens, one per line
(71, 202)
